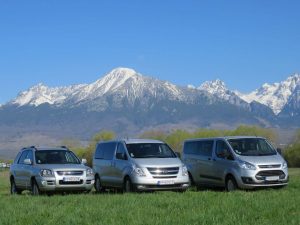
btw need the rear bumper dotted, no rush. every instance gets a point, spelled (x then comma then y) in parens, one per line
(53, 184)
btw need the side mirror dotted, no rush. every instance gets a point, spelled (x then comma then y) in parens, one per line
(279, 151)
(27, 162)
(178, 154)
(84, 161)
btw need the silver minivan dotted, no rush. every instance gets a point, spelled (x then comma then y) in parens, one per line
(234, 162)
(48, 170)
(138, 165)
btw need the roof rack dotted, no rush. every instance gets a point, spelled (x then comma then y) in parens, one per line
(63, 146)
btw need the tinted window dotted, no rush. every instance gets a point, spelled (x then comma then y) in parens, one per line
(109, 150)
(203, 148)
(17, 157)
(56, 157)
(99, 151)
(221, 147)
(121, 152)
(105, 151)
(190, 147)
(23, 157)
(30, 155)
(150, 150)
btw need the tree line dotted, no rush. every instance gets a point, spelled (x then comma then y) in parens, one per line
(175, 139)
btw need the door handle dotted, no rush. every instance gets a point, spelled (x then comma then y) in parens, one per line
(209, 159)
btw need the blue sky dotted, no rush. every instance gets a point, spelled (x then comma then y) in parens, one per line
(244, 43)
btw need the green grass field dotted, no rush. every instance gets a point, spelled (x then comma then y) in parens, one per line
(269, 206)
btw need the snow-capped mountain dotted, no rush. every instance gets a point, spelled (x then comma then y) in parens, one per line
(123, 82)
(218, 88)
(40, 94)
(124, 91)
(276, 95)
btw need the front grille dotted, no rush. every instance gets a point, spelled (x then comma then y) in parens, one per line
(61, 182)
(269, 173)
(163, 172)
(50, 182)
(70, 173)
(269, 166)
(164, 177)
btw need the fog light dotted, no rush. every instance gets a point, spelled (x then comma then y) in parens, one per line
(247, 180)
(44, 183)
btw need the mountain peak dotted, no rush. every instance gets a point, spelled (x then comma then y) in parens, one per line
(214, 86)
(274, 95)
(122, 72)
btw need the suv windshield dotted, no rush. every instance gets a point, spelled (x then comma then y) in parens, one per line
(56, 157)
(150, 150)
(251, 147)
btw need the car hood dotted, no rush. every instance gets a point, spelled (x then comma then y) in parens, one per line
(63, 166)
(158, 162)
(263, 160)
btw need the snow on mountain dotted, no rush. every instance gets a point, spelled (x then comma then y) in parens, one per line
(123, 82)
(274, 95)
(40, 94)
(216, 87)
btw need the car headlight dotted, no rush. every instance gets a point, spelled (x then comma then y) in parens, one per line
(46, 173)
(89, 172)
(284, 165)
(246, 165)
(139, 171)
(184, 171)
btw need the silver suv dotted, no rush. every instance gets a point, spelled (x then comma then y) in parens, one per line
(235, 162)
(49, 170)
(138, 165)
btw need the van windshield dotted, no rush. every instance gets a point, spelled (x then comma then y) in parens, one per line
(150, 150)
(56, 157)
(251, 147)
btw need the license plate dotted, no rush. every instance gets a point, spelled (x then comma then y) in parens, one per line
(273, 178)
(165, 182)
(71, 179)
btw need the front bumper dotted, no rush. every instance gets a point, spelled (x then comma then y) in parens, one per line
(53, 184)
(250, 179)
(155, 184)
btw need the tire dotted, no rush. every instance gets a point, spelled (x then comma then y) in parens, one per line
(98, 186)
(13, 188)
(128, 187)
(35, 190)
(230, 184)
(191, 180)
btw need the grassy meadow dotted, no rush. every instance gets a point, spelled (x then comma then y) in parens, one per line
(271, 206)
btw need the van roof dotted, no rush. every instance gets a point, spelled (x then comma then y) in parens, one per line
(135, 141)
(224, 138)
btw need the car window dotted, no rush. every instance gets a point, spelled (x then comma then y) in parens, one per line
(109, 150)
(99, 154)
(56, 157)
(17, 157)
(202, 148)
(150, 150)
(221, 146)
(121, 152)
(30, 155)
(23, 157)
